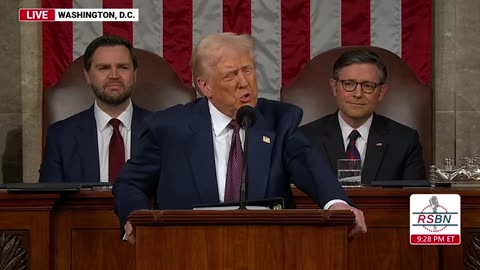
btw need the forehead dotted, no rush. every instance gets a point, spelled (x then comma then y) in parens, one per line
(364, 71)
(228, 54)
(111, 54)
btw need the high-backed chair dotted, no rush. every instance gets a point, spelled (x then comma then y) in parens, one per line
(407, 101)
(158, 87)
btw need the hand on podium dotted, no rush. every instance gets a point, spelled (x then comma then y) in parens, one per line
(129, 233)
(360, 225)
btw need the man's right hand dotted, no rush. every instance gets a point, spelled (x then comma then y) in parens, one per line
(129, 233)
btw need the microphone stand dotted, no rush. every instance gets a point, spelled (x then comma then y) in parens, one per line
(243, 185)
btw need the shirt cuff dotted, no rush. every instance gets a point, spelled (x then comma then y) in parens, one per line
(332, 202)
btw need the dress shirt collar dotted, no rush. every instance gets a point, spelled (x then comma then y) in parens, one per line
(102, 118)
(347, 129)
(220, 121)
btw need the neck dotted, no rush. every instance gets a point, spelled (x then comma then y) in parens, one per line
(113, 110)
(355, 123)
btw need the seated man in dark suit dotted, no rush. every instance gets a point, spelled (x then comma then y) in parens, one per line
(93, 145)
(192, 147)
(388, 150)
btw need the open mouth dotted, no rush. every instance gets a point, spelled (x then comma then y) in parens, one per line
(245, 98)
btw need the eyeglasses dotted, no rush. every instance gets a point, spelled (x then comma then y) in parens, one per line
(367, 87)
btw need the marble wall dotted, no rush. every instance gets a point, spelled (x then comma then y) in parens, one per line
(456, 78)
(456, 83)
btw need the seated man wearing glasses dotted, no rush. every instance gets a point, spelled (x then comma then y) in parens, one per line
(388, 150)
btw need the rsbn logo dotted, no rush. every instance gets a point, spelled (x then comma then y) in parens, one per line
(435, 219)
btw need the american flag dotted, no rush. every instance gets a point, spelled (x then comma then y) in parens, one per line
(288, 33)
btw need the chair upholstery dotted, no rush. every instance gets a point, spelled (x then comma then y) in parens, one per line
(407, 101)
(158, 87)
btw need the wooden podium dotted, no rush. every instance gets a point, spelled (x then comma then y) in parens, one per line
(241, 239)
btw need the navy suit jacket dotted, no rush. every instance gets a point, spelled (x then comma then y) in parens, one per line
(71, 149)
(393, 150)
(176, 164)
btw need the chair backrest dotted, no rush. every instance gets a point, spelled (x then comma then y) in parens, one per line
(407, 101)
(157, 87)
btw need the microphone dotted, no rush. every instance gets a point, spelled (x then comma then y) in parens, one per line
(246, 118)
(433, 201)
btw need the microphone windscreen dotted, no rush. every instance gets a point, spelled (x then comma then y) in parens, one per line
(246, 116)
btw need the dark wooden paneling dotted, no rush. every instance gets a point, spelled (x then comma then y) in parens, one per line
(101, 249)
(63, 227)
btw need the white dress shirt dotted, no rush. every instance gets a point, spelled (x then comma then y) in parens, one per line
(361, 142)
(104, 134)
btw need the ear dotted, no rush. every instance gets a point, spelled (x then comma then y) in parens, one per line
(383, 91)
(85, 73)
(333, 85)
(204, 88)
(135, 76)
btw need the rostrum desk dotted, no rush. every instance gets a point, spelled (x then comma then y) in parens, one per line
(81, 231)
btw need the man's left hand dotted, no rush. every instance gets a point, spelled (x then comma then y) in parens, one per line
(360, 225)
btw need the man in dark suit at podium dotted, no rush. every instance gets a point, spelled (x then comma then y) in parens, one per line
(388, 150)
(187, 153)
(92, 146)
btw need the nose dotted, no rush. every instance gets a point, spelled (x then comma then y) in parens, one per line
(357, 92)
(114, 73)
(242, 80)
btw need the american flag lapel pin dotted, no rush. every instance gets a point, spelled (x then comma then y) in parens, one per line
(266, 139)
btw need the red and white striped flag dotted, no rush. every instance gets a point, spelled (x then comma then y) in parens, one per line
(288, 33)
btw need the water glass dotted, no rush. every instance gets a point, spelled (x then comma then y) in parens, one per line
(349, 172)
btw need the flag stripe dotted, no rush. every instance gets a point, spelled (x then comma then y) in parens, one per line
(386, 25)
(295, 38)
(148, 31)
(266, 30)
(84, 32)
(287, 33)
(177, 36)
(355, 22)
(122, 29)
(417, 37)
(237, 16)
(324, 26)
(57, 45)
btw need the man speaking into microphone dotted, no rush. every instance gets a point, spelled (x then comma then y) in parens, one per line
(193, 154)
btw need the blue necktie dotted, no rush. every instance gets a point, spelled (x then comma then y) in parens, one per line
(352, 151)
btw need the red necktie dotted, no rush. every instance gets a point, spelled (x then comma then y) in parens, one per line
(116, 151)
(352, 151)
(234, 166)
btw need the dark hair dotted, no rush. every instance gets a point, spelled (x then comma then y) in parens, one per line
(107, 41)
(359, 56)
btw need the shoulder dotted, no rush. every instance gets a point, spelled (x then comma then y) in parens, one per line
(72, 122)
(140, 111)
(392, 125)
(178, 112)
(320, 124)
(278, 109)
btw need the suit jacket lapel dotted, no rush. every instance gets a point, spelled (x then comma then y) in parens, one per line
(201, 154)
(375, 150)
(87, 147)
(260, 143)
(334, 144)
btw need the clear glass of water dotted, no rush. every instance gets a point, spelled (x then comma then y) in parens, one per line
(349, 172)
